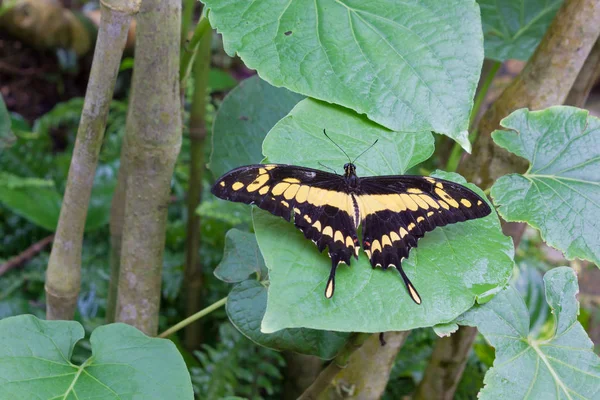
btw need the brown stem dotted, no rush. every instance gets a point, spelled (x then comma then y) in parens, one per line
(64, 267)
(153, 142)
(26, 255)
(589, 74)
(193, 266)
(545, 81)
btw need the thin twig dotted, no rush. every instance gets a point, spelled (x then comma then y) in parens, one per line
(26, 255)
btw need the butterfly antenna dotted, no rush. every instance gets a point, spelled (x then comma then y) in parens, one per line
(338, 146)
(325, 166)
(368, 148)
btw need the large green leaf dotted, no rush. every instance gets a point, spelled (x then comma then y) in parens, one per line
(514, 28)
(246, 115)
(562, 366)
(241, 258)
(447, 269)
(125, 364)
(560, 193)
(246, 306)
(410, 65)
(7, 138)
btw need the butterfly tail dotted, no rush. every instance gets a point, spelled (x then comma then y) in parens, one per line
(330, 288)
(410, 287)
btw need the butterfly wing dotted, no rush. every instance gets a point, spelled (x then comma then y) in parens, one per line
(396, 211)
(316, 200)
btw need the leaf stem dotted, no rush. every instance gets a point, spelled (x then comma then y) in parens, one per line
(189, 50)
(193, 318)
(456, 153)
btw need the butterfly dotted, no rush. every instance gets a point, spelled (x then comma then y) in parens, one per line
(394, 211)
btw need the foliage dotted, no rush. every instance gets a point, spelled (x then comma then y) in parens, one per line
(125, 363)
(7, 138)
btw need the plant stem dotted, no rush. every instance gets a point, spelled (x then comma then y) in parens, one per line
(153, 140)
(457, 150)
(63, 277)
(189, 50)
(186, 19)
(197, 129)
(193, 318)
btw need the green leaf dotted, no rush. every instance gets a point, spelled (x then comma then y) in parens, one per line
(409, 66)
(449, 272)
(243, 120)
(514, 28)
(7, 138)
(33, 198)
(219, 80)
(125, 363)
(246, 306)
(563, 366)
(298, 139)
(560, 193)
(241, 258)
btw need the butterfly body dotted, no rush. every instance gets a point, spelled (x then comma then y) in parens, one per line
(394, 211)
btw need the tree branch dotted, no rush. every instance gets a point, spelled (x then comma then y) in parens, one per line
(27, 254)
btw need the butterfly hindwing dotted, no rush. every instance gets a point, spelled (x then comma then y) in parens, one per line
(397, 211)
(315, 200)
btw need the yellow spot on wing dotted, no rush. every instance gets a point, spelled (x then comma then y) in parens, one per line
(297, 211)
(439, 185)
(419, 219)
(264, 190)
(409, 202)
(329, 290)
(349, 242)
(258, 182)
(420, 202)
(280, 188)
(403, 232)
(237, 186)
(385, 241)
(444, 204)
(368, 253)
(302, 194)
(285, 203)
(262, 171)
(394, 236)
(222, 184)
(429, 200)
(317, 225)
(373, 203)
(291, 192)
(430, 180)
(375, 246)
(446, 197)
(338, 237)
(465, 202)
(430, 213)
(307, 219)
(411, 226)
(413, 293)
(291, 180)
(327, 231)
(414, 190)
(479, 202)
(270, 167)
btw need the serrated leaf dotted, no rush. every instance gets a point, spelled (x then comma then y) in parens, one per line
(563, 366)
(248, 112)
(409, 65)
(7, 138)
(125, 363)
(449, 272)
(560, 193)
(241, 258)
(513, 29)
(246, 306)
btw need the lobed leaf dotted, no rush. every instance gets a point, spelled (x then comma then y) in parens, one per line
(560, 193)
(126, 364)
(241, 258)
(563, 366)
(409, 66)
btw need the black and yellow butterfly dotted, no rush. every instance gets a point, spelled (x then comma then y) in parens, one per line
(395, 211)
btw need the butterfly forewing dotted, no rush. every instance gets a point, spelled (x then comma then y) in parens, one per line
(316, 200)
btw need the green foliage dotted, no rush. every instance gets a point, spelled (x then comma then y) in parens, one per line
(528, 366)
(241, 258)
(235, 366)
(7, 138)
(514, 28)
(560, 193)
(125, 363)
(410, 66)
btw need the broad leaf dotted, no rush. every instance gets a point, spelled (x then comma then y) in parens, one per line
(125, 363)
(241, 258)
(219, 80)
(560, 193)
(246, 115)
(449, 272)
(563, 366)
(514, 28)
(7, 138)
(246, 306)
(410, 65)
